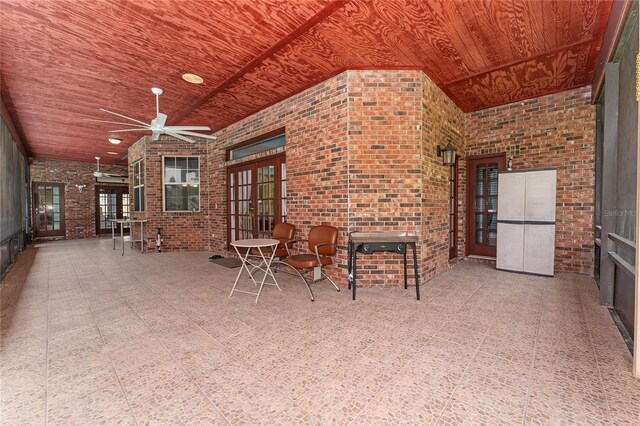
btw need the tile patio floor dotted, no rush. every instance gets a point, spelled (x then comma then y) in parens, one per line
(95, 337)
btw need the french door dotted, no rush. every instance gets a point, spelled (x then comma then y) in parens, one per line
(453, 210)
(48, 203)
(257, 198)
(112, 202)
(482, 204)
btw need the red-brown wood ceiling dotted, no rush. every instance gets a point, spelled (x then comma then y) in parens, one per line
(62, 60)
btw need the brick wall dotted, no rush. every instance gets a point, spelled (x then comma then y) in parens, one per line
(551, 131)
(442, 122)
(181, 231)
(361, 155)
(317, 184)
(79, 206)
(384, 163)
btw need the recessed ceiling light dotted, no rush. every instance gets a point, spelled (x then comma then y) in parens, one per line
(115, 141)
(192, 78)
(112, 153)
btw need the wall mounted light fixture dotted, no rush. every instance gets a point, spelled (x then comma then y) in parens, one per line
(115, 141)
(448, 154)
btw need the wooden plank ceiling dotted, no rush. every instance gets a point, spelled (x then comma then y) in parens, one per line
(62, 60)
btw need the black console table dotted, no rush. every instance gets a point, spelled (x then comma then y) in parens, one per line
(371, 242)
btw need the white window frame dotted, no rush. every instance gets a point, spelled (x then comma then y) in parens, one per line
(140, 165)
(164, 184)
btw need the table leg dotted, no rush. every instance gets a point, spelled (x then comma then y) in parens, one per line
(353, 283)
(405, 267)
(349, 272)
(243, 259)
(267, 271)
(415, 272)
(122, 236)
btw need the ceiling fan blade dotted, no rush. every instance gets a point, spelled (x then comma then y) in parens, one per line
(111, 122)
(176, 135)
(124, 116)
(175, 128)
(200, 135)
(155, 136)
(139, 129)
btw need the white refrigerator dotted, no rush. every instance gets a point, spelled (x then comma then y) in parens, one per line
(526, 221)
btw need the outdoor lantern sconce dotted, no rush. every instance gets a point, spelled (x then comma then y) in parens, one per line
(448, 154)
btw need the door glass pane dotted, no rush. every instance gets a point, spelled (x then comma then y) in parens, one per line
(492, 229)
(125, 206)
(479, 228)
(493, 171)
(493, 187)
(492, 204)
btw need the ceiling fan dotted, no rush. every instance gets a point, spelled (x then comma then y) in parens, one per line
(100, 174)
(157, 125)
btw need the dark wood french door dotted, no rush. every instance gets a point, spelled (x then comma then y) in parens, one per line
(112, 202)
(48, 204)
(453, 210)
(257, 198)
(482, 203)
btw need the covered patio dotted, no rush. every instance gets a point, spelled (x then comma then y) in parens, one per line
(486, 136)
(90, 336)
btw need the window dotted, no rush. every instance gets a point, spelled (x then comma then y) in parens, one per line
(138, 187)
(181, 178)
(270, 142)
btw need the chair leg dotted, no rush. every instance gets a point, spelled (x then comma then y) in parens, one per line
(330, 280)
(302, 277)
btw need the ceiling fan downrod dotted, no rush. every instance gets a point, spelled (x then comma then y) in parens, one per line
(157, 91)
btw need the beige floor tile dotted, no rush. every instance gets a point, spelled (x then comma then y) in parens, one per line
(86, 403)
(433, 374)
(460, 413)
(346, 391)
(99, 337)
(552, 397)
(242, 396)
(510, 348)
(443, 350)
(411, 401)
(26, 401)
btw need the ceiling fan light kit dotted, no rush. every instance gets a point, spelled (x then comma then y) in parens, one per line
(157, 125)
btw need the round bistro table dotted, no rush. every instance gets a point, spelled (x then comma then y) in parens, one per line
(267, 249)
